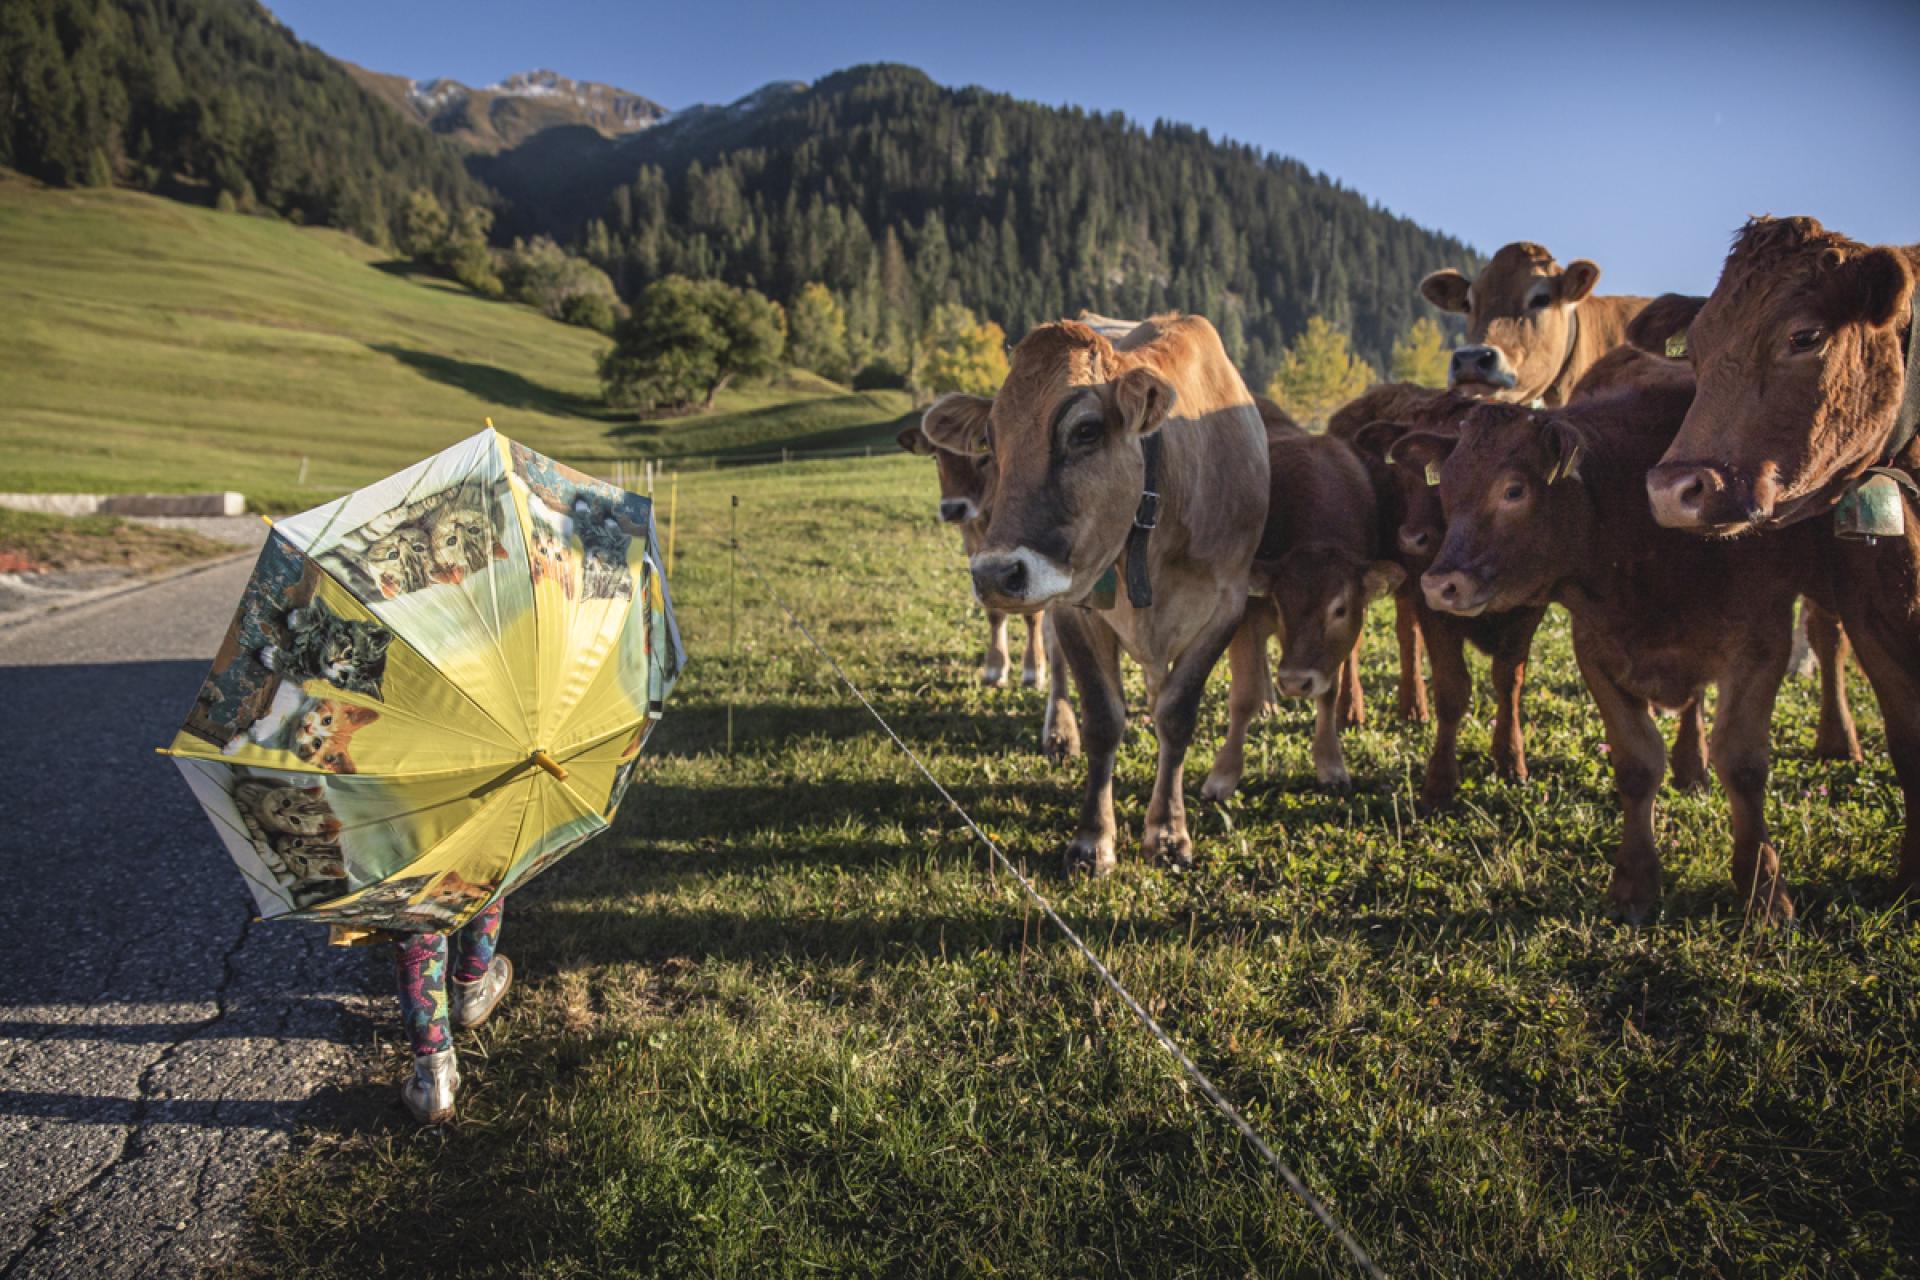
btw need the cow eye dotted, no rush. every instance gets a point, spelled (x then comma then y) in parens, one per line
(1801, 341)
(1537, 301)
(1339, 612)
(1515, 491)
(1086, 432)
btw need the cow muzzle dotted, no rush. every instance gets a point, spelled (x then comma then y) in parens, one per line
(1299, 682)
(1695, 495)
(1417, 542)
(1481, 366)
(1018, 581)
(1455, 591)
(958, 510)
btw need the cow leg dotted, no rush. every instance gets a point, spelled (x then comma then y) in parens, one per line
(1452, 687)
(1888, 649)
(1739, 749)
(1836, 739)
(1351, 711)
(1329, 766)
(1509, 739)
(1639, 762)
(1412, 694)
(1247, 693)
(993, 671)
(1059, 730)
(1092, 653)
(1690, 747)
(1174, 716)
(1033, 664)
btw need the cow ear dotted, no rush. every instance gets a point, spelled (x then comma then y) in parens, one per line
(957, 423)
(1423, 451)
(1563, 448)
(1577, 281)
(1446, 290)
(914, 440)
(1874, 287)
(1661, 327)
(1378, 437)
(1144, 399)
(1383, 577)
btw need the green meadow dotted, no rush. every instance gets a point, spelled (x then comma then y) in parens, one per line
(155, 346)
(784, 1021)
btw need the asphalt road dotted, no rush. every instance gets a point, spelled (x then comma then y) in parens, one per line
(156, 1047)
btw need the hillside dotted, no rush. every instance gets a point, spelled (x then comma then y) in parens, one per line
(899, 193)
(199, 97)
(154, 345)
(506, 114)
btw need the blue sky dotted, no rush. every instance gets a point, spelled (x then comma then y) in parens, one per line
(1637, 135)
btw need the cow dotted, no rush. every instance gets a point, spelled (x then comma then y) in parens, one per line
(1318, 565)
(1552, 505)
(1533, 328)
(1808, 359)
(966, 495)
(1142, 463)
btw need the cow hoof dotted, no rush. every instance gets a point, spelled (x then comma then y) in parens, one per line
(1767, 903)
(1433, 799)
(1087, 856)
(1060, 747)
(1511, 771)
(1219, 785)
(1842, 749)
(1689, 781)
(993, 677)
(1163, 844)
(1337, 779)
(1032, 677)
(1413, 715)
(1635, 913)
(1632, 899)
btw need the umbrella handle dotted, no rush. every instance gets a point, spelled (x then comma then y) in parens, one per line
(548, 763)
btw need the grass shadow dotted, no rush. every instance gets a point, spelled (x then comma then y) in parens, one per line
(502, 387)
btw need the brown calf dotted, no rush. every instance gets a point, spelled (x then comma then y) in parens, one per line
(966, 495)
(1551, 505)
(1073, 433)
(1532, 327)
(1318, 562)
(1808, 357)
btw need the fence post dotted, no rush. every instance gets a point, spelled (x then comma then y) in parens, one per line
(673, 518)
(733, 672)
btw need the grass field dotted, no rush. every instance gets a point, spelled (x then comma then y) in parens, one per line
(157, 346)
(782, 1022)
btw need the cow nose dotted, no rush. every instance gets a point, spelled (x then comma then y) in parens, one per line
(1448, 592)
(1416, 542)
(1295, 684)
(999, 576)
(1474, 364)
(953, 510)
(1681, 492)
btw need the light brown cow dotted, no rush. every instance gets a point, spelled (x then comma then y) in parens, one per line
(966, 495)
(1072, 432)
(1808, 359)
(1318, 563)
(1551, 504)
(1533, 328)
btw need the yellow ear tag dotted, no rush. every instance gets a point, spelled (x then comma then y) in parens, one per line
(1433, 473)
(1677, 347)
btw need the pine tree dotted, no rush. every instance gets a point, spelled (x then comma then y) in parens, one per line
(1318, 374)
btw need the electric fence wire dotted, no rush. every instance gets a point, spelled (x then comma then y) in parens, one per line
(1198, 1078)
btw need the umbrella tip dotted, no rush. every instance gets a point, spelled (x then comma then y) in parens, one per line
(489, 422)
(548, 763)
(267, 521)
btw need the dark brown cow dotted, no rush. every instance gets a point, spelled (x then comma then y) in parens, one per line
(1318, 562)
(1070, 431)
(1808, 358)
(1532, 328)
(1551, 505)
(966, 496)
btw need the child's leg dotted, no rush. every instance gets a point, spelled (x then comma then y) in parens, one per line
(422, 966)
(478, 941)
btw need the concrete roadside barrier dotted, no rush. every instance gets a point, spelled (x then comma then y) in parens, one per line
(225, 503)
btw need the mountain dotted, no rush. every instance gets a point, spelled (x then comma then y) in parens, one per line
(506, 114)
(200, 97)
(900, 194)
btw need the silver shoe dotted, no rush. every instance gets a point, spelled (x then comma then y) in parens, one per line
(473, 1002)
(429, 1094)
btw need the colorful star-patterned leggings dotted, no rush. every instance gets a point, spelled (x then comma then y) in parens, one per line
(421, 961)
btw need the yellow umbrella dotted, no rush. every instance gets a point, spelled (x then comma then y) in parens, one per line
(433, 688)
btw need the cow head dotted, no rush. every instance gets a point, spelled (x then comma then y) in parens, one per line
(1066, 429)
(1520, 320)
(1322, 592)
(1422, 522)
(1800, 371)
(1516, 516)
(966, 479)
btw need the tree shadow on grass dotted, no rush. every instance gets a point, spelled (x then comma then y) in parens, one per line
(502, 387)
